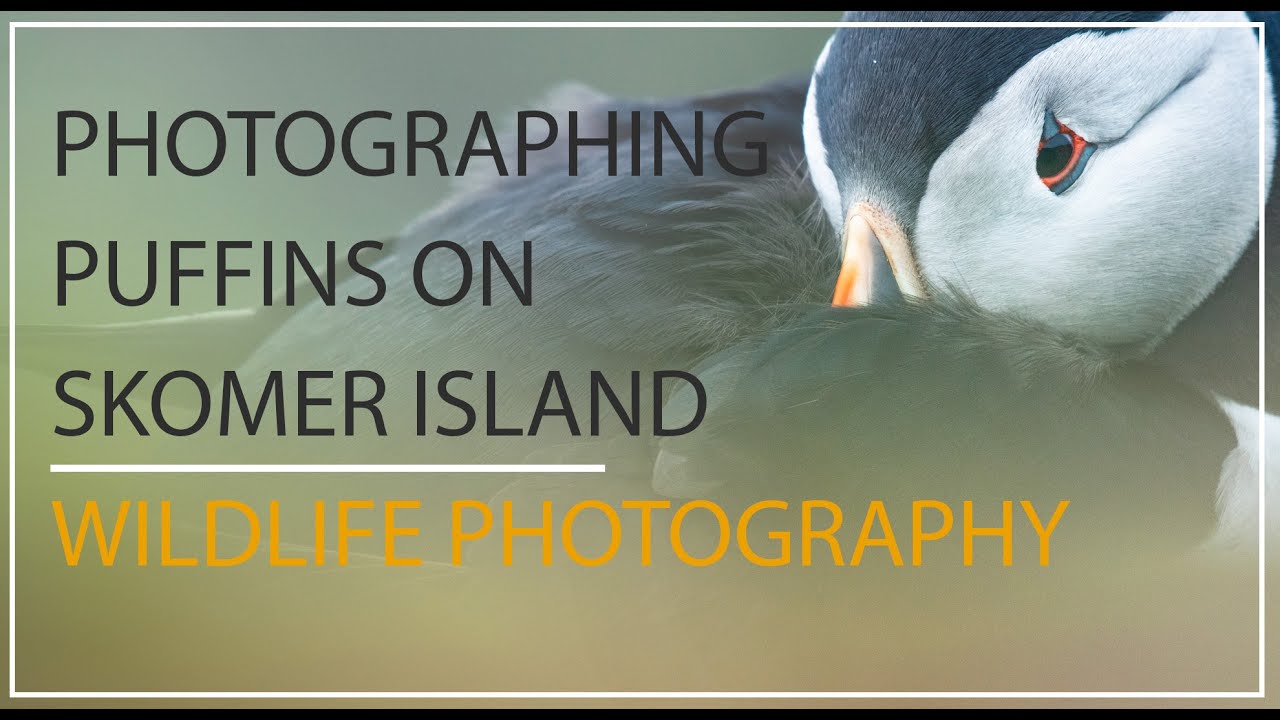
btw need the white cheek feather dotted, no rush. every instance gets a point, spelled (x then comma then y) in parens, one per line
(1238, 488)
(1160, 214)
(824, 181)
(1269, 126)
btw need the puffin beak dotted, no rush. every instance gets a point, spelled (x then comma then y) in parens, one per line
(875, 247)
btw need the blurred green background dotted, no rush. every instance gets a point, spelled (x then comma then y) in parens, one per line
(127, 629)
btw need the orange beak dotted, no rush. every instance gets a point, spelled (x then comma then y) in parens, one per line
(869, 232)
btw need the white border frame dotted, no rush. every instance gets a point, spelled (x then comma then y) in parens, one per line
(14, 693)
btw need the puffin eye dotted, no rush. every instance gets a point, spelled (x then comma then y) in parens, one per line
(1062, 155)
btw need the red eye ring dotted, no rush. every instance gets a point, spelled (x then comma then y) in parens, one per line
(1078, 145)
(1061, 155)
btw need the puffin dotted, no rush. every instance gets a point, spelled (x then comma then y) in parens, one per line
(1023, 263)
(1020, 194)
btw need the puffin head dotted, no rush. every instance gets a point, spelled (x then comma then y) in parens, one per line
(1101, 182)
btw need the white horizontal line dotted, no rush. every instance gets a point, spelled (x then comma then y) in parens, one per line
(627, 24)
(640, 694)
(340, 468)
